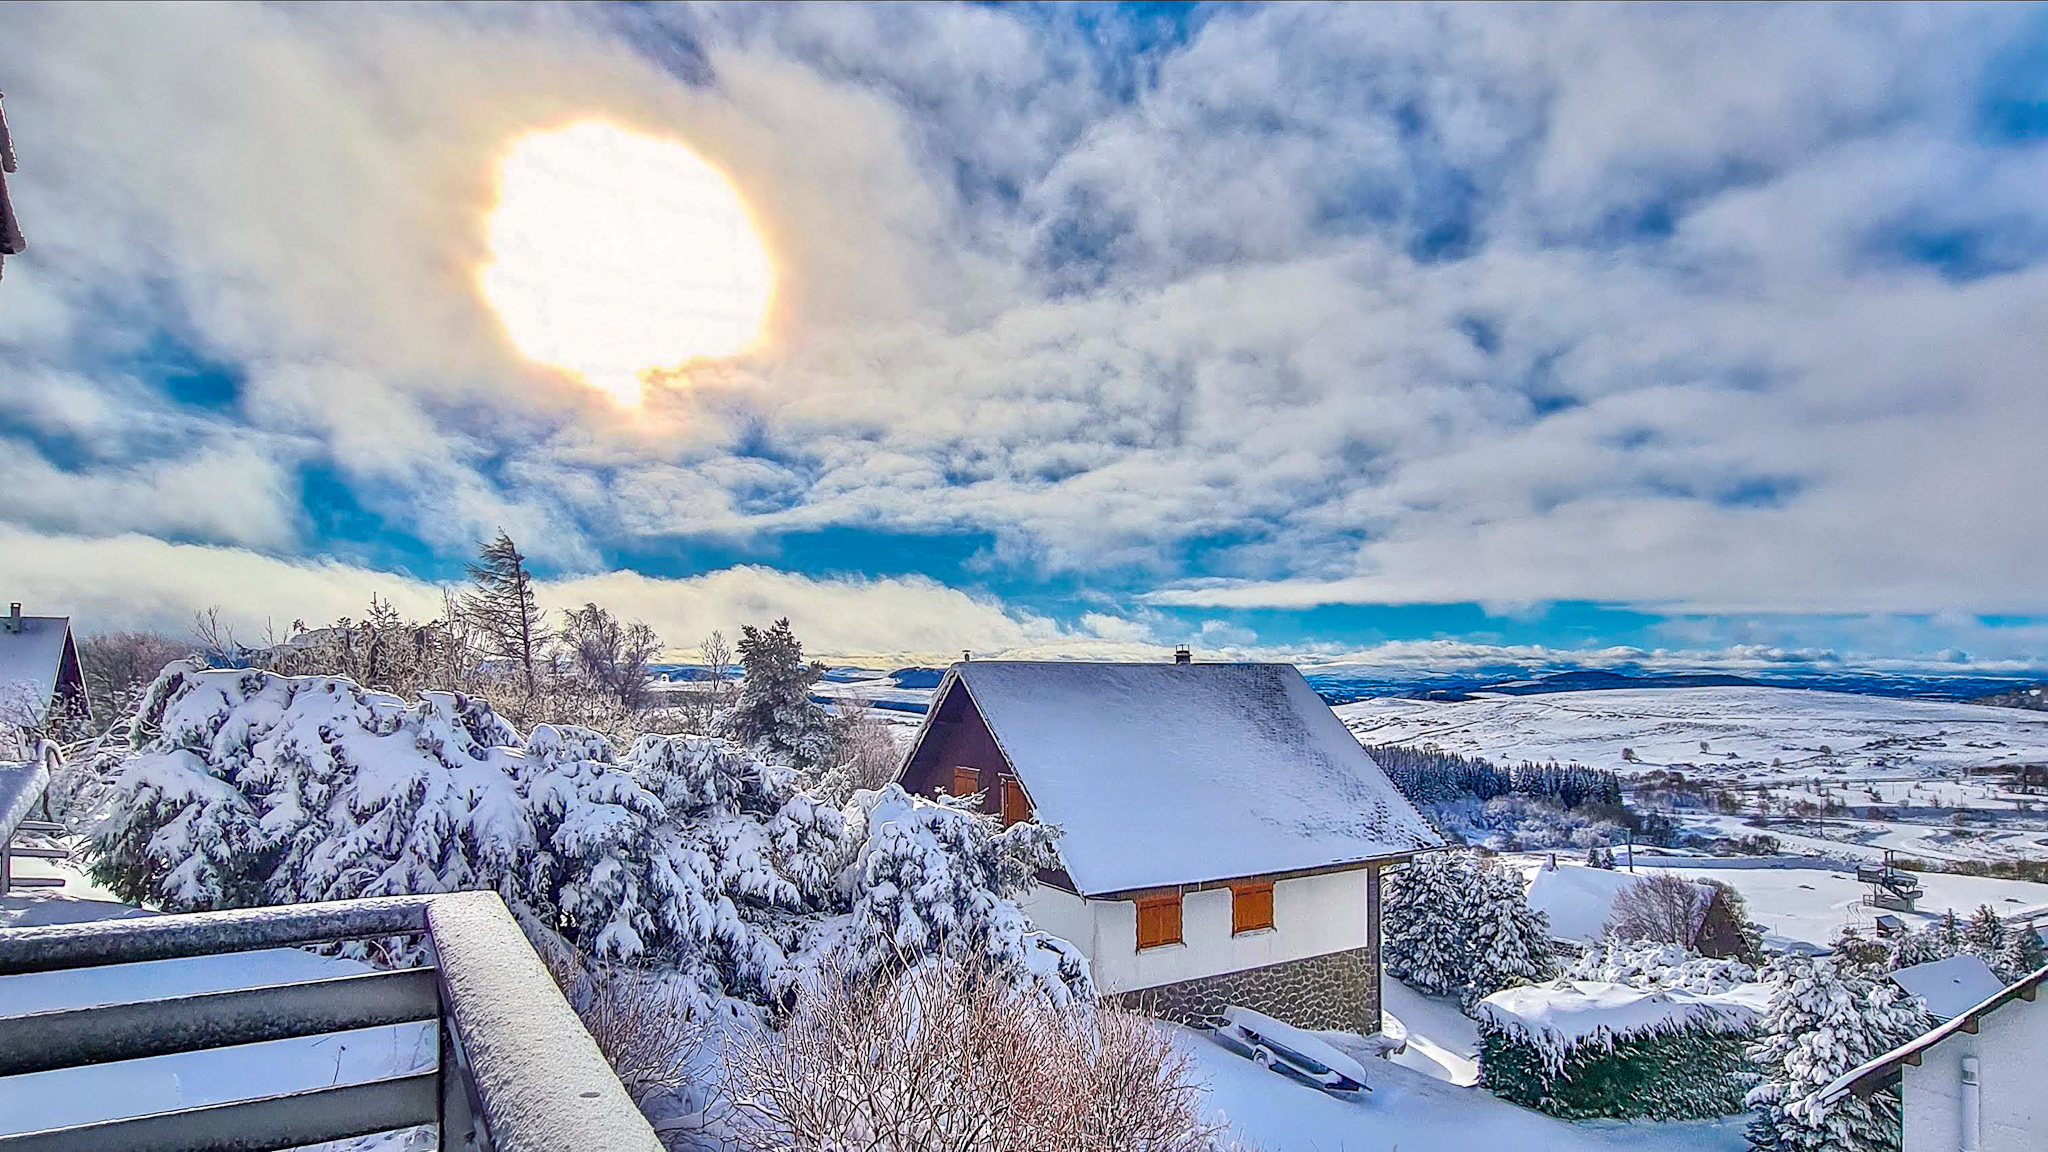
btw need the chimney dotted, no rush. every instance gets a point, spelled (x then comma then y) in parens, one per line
(1181, 655)
(966, 655)
(14, 618)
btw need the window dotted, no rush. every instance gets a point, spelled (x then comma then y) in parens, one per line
(966, 781)
(1251, 907)
(1158, 921)
(1016, 808)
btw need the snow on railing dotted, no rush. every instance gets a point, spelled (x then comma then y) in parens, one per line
(21, 786)
(517, 1072)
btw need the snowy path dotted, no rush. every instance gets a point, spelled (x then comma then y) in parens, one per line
(1442, 1041)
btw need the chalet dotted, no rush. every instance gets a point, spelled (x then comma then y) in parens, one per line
(1579, 903)
(39, 672)
(1222, 834)
(1973, 1084)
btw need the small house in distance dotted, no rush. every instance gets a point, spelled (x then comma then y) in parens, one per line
(1222, 833)
(1579, 903)
(1950, 986)
(39, 671)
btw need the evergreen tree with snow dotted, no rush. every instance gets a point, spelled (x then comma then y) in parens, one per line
(1425, 924)
(1824, 1020)
(1985, 934)
(2021, 957)
(1948, 933)
(775, 714)
(1510, 940)
(502, 607)
(1919, 947)
(1593, 856)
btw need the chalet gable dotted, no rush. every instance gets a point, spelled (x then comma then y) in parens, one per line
(1165, 775)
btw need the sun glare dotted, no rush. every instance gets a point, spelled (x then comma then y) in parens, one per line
(614, 254)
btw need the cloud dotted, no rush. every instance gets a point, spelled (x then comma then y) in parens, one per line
(1706, 312)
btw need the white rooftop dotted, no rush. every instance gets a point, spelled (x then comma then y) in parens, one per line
(1579, 900)
(1950, 986)
(29, 659)
(1165, 774)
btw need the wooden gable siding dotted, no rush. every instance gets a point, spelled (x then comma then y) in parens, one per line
(956, 738)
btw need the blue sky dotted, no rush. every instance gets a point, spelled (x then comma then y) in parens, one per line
(1419, 336)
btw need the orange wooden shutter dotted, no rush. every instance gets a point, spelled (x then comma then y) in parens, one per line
(1158, 921)
(1016, 808)
(1251, 907)
(966, 781)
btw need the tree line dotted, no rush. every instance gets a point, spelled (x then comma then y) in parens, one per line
(1429, 775)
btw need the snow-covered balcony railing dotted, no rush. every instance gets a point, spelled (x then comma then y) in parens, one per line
(516, 1070)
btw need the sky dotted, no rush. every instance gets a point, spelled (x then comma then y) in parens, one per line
(1416, 336)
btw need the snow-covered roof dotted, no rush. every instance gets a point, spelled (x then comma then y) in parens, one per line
(31, 658)
(1875, 1073)
(1166, 774)
(1565, 1014)
(1580, 900)
(1950, 986)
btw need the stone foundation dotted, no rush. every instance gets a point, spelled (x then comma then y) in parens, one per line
(1338, 991)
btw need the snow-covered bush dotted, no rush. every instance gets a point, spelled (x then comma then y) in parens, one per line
(1581, 1049)
(1650, 964)
(687, 854)
(1454, 923)
(1823, 1021)
(775, 714)
(945, 1059)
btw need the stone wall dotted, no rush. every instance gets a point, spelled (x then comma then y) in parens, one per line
(1337, 991)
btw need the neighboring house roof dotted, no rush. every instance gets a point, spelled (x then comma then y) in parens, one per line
(1875, 1074)
(1580, 901)
(31, 659)
(1172, 774)
(1951, 986)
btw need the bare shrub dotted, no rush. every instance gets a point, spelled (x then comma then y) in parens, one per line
(943, 1059)
(639, 1023)
(865, 752)
(120, 666)
(1663, 907)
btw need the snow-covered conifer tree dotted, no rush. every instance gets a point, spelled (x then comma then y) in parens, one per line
(1425, 923)
(2021, 957)
(1985, 934)
(502, 606)
(775, 714)
(1822, 1022)
(1510, 940)
(1948, 933)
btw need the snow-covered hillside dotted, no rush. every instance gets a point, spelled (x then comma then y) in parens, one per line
(1746, 731)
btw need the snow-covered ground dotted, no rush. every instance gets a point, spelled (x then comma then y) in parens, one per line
(1745, 729)
(1422, 1101)
(1806, 905)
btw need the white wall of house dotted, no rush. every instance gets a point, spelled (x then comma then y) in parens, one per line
(1312, 916)
(2011, 1048)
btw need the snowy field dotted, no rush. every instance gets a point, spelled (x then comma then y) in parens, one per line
(1803, 905)
(1745, 730)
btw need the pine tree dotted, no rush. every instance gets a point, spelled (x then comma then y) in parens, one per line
(2021, 957)
(502, 606)
(1984, 935)
(775, 714)
(1510, 940)
(1425, 924)
(1593, 856)
(1823, 1021)
(1948, 933)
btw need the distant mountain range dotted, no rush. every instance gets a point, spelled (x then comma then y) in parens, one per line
(901, 687)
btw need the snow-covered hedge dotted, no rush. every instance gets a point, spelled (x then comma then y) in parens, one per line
(686, 853)
(1581, 1049)
(1651, 964)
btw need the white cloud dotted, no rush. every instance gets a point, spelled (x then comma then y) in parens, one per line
(1348, 304)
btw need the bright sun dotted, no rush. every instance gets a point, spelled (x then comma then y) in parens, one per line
(614, 254)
